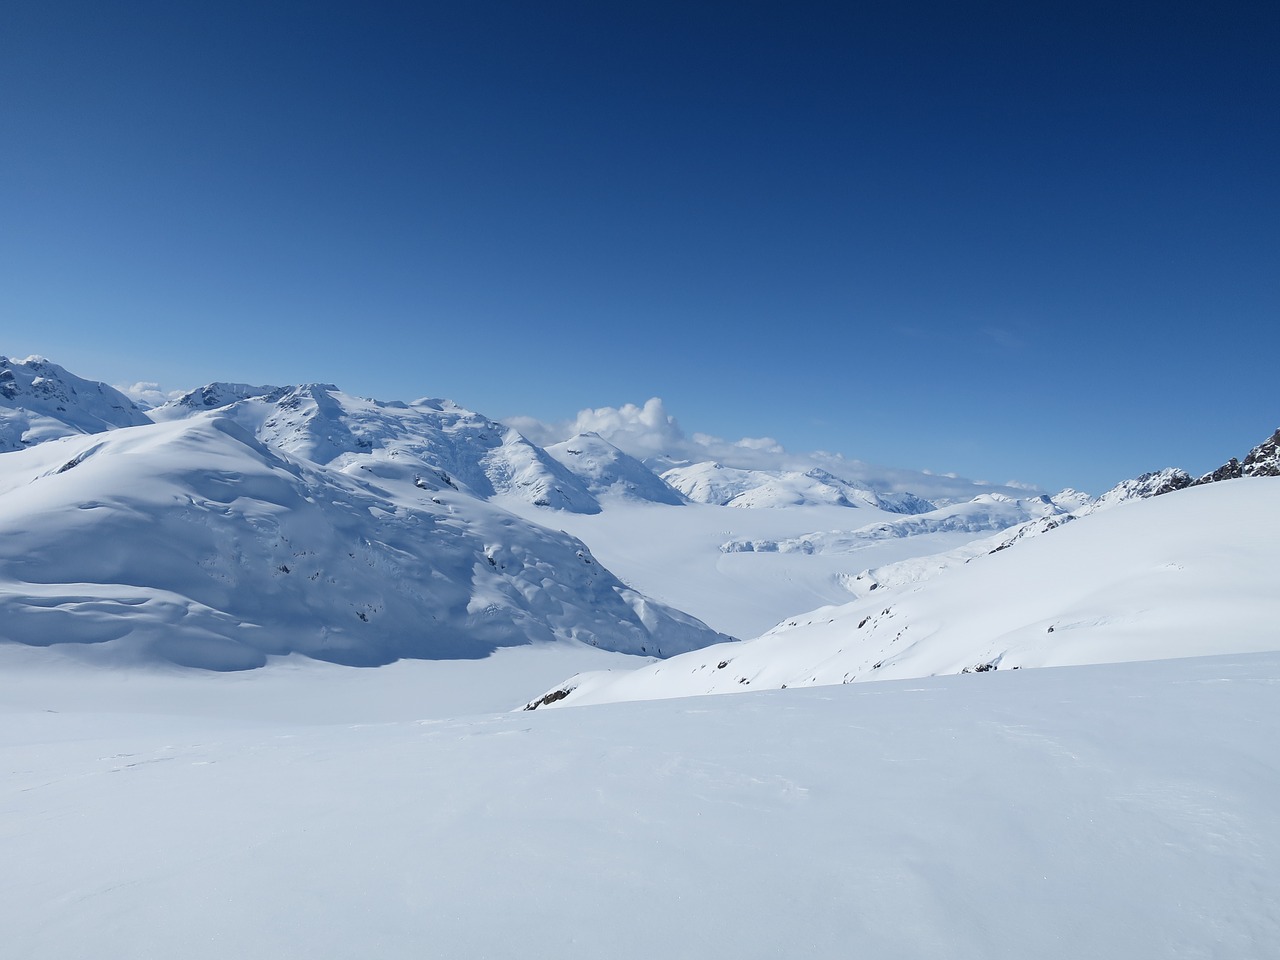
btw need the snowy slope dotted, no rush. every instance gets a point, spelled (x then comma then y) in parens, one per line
(40, 401)
(1188, 574)
(194, 542)
(1114, 811)
(915, 569)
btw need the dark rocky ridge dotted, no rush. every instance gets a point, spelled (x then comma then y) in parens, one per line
(1262, 461)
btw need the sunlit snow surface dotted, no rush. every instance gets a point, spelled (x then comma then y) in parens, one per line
(1191, 573)
(1106, 811)
(192, 541)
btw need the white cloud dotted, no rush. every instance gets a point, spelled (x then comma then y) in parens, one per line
(649, 432)
(147, 394)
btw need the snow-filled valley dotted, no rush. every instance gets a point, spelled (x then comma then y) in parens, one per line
(263, 653)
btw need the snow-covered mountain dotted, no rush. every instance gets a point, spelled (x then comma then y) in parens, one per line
(1152, 484)
(41, 401)
(303, 520)
(1262, 461)
(426, 491)
(982, 514)
(432, 452)
(714, 483)
(606, 471)
(433, 444)
(1188, 574)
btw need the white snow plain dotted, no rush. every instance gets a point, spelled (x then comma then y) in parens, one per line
(1106, 811)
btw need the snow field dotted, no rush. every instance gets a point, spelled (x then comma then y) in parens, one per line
(1120, 810)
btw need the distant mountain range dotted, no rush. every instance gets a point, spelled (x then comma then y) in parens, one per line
(242, 521)
(1179, 568)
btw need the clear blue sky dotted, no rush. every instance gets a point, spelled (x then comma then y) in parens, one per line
(1033, 241)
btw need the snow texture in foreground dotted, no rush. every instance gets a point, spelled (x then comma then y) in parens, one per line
(1108, 811)
(1188, 574)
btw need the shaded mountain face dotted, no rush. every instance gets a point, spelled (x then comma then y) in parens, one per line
(41, 401)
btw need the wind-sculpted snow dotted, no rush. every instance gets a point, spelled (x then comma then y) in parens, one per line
(41, 401)
(981, 515)
(195, 542)
(1185, 575)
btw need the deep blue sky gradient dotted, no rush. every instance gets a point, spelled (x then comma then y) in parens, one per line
(1031, 241)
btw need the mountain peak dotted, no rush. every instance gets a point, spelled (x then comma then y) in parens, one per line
(40, 400)
(606, 470)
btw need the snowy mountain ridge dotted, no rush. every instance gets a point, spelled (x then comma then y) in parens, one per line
(714, 483)
(247, 522)
(398, 517)
(40, 401)
(606, 470)
(982, 514)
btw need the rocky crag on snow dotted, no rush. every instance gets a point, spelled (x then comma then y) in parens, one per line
(1262, 461)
